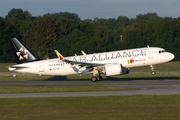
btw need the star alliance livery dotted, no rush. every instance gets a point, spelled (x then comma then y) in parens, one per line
(108, 63)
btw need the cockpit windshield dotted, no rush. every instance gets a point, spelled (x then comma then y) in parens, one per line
(162, 51)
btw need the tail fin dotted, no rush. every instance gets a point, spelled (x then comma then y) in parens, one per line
(21, 53)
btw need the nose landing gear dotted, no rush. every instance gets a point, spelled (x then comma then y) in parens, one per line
(152, 68)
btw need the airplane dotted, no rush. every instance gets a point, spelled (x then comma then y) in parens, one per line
(108, 63)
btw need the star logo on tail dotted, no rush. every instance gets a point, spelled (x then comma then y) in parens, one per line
(22, 54)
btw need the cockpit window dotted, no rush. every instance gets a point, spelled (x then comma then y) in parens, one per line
(162, 51)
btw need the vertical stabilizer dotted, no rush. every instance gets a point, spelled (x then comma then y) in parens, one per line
(21, 53)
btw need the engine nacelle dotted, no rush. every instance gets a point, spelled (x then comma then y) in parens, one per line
(115, 69)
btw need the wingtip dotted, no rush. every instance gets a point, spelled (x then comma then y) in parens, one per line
(59, 55)
(83, 52)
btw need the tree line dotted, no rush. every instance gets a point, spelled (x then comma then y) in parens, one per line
(67, 33)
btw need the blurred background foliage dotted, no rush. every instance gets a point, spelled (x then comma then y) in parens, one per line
(67, 33)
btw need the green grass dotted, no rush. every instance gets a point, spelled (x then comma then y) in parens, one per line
(168, 70)
(4, 66)
(18, 89)
(135, 107)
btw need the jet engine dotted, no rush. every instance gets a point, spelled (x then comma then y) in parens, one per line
(115, 69)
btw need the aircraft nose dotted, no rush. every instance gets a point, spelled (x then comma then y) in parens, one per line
(171, 56)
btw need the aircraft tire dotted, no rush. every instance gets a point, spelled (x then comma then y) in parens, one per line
(94, 79)
(153, 73)
(99, 78)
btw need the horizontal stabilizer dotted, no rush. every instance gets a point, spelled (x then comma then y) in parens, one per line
(13, 68)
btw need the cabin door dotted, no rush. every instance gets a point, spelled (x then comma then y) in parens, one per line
(150, 54)
(41, 67)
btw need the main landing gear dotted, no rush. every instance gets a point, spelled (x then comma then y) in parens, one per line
(98, 78)
(152, 68)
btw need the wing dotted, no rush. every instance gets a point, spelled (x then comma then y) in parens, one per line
(82, 63)
(88, 66)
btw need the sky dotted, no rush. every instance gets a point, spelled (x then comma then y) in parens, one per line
(90, 9)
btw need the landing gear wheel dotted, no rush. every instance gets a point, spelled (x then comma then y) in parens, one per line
(153, 73)
(99, 78)
(152, 68)
(94, 79)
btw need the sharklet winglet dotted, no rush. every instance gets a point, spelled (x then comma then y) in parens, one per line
(83, 52)
(59, 55)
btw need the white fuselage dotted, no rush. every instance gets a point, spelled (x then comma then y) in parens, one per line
(128, 58)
